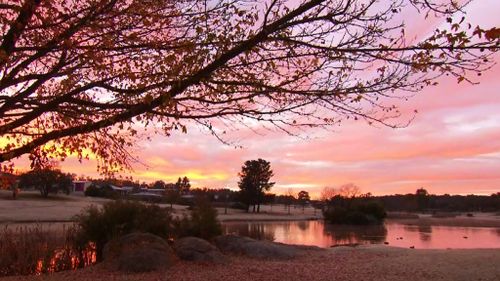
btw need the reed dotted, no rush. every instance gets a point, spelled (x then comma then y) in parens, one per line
(37, 249)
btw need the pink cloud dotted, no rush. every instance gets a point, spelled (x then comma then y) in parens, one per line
(452, 146)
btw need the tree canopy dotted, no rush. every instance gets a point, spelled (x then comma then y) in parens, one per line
(255, 179)
(303, 196)
(46, 180)
(81, 77)
(183, 185)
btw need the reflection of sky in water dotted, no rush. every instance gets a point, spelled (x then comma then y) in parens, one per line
(400, 235)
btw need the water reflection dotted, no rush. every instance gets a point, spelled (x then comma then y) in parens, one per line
(424, 231)
(258, 231)
(395, 234)
(345, 234)
(303, 225)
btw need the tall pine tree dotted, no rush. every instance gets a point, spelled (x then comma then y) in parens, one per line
(255, 179)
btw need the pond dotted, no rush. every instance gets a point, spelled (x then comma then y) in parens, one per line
(318, 233)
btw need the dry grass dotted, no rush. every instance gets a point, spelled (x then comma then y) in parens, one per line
(36, 250)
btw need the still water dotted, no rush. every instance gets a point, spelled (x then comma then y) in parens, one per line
(396, 234)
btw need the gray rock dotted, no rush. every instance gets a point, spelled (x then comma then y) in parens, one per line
(138, 252)
(255, 248)
(196, 249)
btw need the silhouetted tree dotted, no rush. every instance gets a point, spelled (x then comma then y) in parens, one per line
(303, 198)
(327, 193)
(159, 184)
(183, 185)
(422, 199)
(46, 181)
(255, 179)
(349, 190)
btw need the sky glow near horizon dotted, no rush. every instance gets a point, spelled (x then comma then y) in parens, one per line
(452, 146)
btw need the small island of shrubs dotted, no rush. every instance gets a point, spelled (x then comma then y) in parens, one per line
(355, 211)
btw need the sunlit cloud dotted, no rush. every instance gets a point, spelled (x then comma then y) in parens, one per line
(452, 145)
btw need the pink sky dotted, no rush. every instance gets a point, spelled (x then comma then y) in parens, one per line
(453, 145)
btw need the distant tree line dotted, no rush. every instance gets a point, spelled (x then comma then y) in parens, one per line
(255, 184)
(420, 201)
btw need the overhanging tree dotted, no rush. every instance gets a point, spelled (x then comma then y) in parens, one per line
(254, 181)
(80, 77)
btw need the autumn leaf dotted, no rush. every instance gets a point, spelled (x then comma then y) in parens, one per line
(492, 34)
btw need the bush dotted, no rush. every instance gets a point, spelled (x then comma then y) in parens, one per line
(104, 192)
(356, 212)
(117, 218)
(202, 223)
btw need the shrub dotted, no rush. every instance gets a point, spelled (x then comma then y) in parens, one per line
(117, 218)
(93, 191)
(355, 212)
(105, 192)
(202, 222)
(373, 209)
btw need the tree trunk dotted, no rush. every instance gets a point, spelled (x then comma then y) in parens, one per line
(44, 191)
(258, 208)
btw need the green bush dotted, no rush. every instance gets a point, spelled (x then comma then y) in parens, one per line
(118, 218)
(373, 209)
(202, 222)
(355, 212)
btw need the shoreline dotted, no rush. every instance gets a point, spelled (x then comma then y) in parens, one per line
(448, 222)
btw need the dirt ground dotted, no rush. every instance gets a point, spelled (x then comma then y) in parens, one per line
(343, 263)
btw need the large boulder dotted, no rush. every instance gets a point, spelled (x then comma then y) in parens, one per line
(138, 252)
(255, 248)
(196, 249)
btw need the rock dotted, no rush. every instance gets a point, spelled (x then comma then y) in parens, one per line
(196, 249)
(138, 252)
(255, 248)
